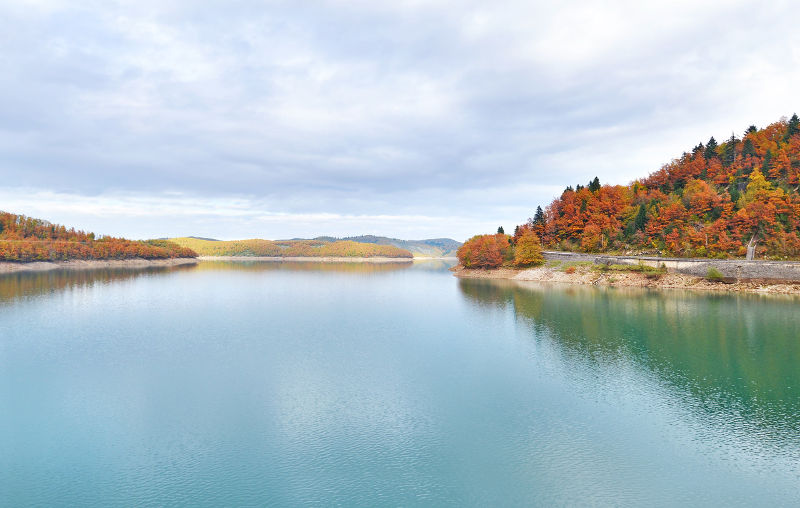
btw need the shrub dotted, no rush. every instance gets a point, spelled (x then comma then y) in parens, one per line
(714, 275)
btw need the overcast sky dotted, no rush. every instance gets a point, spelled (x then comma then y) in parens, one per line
(413, 119)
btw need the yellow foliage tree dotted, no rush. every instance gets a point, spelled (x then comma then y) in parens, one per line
(528, 251)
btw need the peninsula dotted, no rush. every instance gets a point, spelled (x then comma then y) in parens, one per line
(736, 200)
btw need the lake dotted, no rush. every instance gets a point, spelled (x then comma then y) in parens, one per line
(295, 384)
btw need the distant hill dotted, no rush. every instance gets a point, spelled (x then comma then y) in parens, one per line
(291, 248)
(431, 248)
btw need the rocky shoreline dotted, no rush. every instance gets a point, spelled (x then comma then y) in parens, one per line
(593, 275)
(91, 264)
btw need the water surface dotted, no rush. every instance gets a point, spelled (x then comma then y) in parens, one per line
(292, 384)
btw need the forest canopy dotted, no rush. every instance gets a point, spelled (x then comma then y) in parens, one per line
(712, 201)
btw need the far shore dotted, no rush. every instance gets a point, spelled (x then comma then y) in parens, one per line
(91, 264)
(589, 275)
(307, 259)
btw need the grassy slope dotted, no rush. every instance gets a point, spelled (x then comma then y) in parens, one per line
(290, 248)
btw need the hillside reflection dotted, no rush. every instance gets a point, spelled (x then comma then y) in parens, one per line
(28, 284)
(734, 355)
(304, 266)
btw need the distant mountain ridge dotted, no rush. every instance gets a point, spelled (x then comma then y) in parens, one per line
(430, 248)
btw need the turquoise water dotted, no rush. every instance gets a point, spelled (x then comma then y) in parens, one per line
(363, 385)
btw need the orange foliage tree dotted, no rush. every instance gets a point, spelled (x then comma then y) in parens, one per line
(486, 251)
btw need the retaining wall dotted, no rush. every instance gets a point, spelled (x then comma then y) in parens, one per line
(735, 268)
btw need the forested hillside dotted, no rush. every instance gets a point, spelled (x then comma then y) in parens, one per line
(710, 202)
(291, 248)
(27, 239)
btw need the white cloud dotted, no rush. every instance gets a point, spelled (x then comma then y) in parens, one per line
(367, 114)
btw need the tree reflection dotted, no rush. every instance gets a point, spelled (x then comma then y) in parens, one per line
(734, 354)
(305, 266)
(27, 284)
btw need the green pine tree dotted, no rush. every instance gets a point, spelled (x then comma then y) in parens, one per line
(748, 148)
(793, 127)
(538, 217)
(711, 149)
(733, 190)
(641, 218)
(767, 164)
(729, 153)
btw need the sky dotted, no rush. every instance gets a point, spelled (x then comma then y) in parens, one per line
(411, 119)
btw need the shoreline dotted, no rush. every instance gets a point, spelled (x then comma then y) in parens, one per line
(587, 275)
(276, 259)
(91, 264)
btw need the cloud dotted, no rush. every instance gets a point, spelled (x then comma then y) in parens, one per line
(370, 109)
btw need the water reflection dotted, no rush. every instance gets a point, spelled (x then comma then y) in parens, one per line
(318, 266)
(734, 357)
(28, 284)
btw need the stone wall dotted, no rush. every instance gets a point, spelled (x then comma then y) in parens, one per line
(735, 268)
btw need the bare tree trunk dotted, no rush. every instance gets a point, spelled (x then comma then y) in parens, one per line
(751, 247)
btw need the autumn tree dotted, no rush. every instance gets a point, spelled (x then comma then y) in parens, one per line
(528, 251)
(485, 251)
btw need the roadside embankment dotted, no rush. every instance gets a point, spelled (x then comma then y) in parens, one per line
(91, 264)
(733, 268)
(588, 273)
